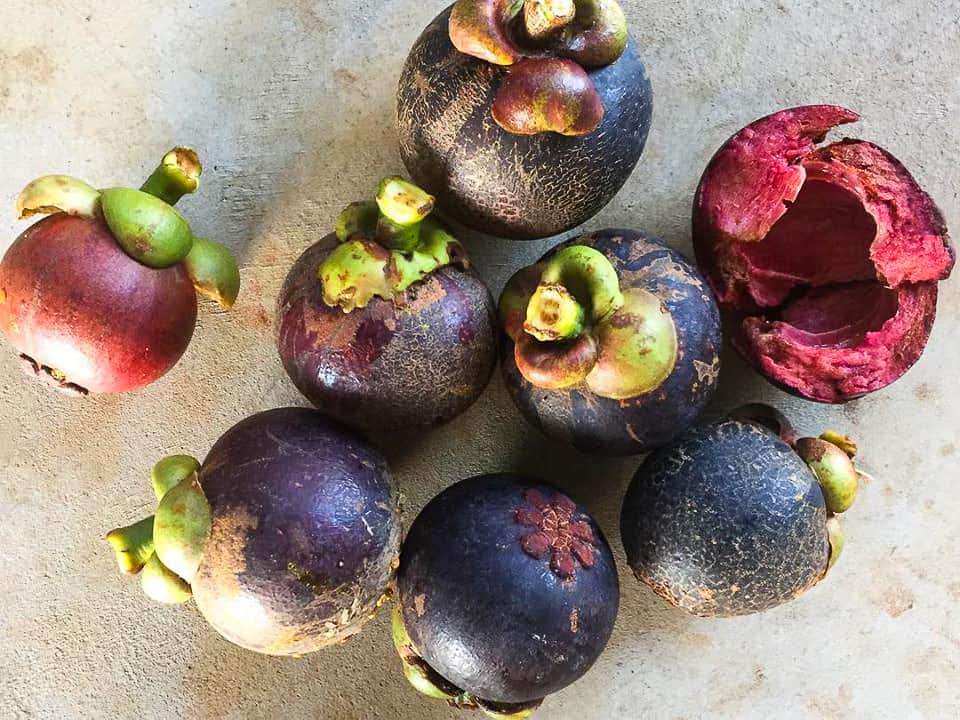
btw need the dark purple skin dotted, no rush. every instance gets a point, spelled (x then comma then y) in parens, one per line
(418, 360)
(626, 427)
(305, 533)
(728, 520)
(513, 186)
(523, 628)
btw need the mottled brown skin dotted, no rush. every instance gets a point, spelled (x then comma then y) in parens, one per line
(726, 521)
(418, 360)
(514, 186)
(305, 533)
(625, 427)
(73, 302)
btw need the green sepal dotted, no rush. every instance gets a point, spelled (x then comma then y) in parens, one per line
(133, 545)
(508, 711)
(162, 585)
(214, 272)
(57, 193)
(638, 348)
(834, 469)
(170, 472)
(358, 221)
(148, 229)
(354, 273)
(181, 527)
(836, 539)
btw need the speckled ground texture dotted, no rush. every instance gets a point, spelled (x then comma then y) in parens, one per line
(292, 104)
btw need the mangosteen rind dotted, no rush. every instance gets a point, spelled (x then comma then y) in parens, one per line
(512, 185)
(550, 625)
(624, 426)
(730, 520)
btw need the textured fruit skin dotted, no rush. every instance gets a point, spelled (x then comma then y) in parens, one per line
(418, 360)
(305, 533)
(625, 427)
(728, 520)
(513, 186)
(487, 616)
(72, 300)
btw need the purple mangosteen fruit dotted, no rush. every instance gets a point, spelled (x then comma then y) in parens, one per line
(524, 117)
(613, 343)
(826, 259)
(739, 516)
(100, 297)
(383, 324)
(507, 591)
(287, 536)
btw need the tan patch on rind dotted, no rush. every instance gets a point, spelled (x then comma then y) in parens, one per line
(419, 604)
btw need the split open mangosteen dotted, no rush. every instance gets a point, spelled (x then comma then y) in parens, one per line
(287, 536)
(826, 259)
(524, 117)
(739, 516)
(613, 342)
(100, 297)
(507, 591)
(383, 324)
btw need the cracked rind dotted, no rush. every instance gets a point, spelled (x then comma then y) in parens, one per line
(305, 533)
(504, 184)
(57, 193)
(768, 163)
(419, 359)
(487, 616)
(58, 321)
(625, 427)
(726, 521)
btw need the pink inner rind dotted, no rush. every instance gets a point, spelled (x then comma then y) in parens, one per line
(828, 257)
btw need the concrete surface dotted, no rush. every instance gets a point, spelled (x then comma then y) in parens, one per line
(291, 103)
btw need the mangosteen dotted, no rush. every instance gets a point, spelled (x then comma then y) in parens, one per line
(613, 342)
(287, 536)
(508, 592)
(825, 259)
(383, 324)
(738, 516)
(524, 117)
(100, 297)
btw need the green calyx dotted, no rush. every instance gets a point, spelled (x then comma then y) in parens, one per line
(428, 682)
(57, 193)
(144, 222)
(834, 469)
(214, 272)
(166, 548)
(385, 247)
(633, 344)
(836, 540)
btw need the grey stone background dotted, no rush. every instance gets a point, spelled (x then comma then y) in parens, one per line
(292, 105)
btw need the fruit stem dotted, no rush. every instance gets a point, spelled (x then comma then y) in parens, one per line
(542, 18)
(177, 175)
(578, 288)
(133, 545)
